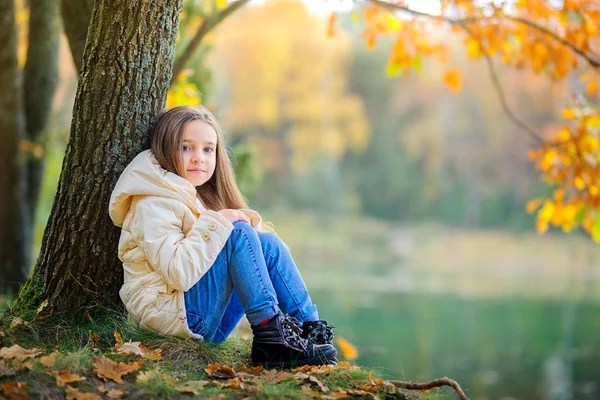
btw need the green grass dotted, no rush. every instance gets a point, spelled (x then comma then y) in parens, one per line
(75, 347)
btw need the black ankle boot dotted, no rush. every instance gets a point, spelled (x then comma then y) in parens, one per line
(279, 344)
(318, 332)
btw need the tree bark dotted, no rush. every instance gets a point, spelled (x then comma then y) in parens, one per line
(124, 80)
(76, 15)
(13, 260)
(40, 80)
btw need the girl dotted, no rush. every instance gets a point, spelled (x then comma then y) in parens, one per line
(196, 259)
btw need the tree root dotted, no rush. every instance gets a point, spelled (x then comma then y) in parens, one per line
(445, 381)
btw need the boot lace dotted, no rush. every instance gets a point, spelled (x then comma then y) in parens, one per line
(292, 329)
(321, 333)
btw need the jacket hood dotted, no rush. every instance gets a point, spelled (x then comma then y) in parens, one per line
(145, 177)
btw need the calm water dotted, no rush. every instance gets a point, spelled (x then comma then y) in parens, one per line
(507, 316)
(495, 349)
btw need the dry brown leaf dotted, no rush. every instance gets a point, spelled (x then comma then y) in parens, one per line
(108, 369)
(118, 338)
(2, 332)
(116, 393)
(243, 370)
(94, 338)
(219, 371)
(312, 379)
(303, 368)
(170, 379)
(5, 370)
(14, 390)
(151, 354)
(193, 387)
(129, 348)
(40, 317)
(47, 361)
(18, 353)
(25, 364)
(74, 394)
(145, 377)
(374, 382)
(310, 392)
(64, 376)
(15, 324)
(102, 389)
(347, 365)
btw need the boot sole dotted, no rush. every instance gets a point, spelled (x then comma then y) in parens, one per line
(323, 360)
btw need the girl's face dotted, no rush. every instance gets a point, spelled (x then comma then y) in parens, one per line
(199, 152)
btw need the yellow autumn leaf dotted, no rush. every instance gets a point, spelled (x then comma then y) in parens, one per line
(331, 25)
(65, 376)
(221, 4)
(453, 80)
(568, 113)
(349, 351)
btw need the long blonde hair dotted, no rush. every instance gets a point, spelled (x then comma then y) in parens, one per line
(221, 190)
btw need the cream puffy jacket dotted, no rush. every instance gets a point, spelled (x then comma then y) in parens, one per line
(168, 242)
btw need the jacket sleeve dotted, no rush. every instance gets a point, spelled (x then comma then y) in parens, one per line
(181, 260)
(255, 218)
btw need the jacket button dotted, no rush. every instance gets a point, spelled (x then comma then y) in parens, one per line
(206, 236)
(212, 226)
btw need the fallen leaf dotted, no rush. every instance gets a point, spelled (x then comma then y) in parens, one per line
(24, 364)
(129, 348)
(346, 365)
(15, 324)
(94, 338)
(145, 377)
(151, 354)
(14, 390)
(5, 370)
(374, 382)
(219, 371)
(118, 338)
(116, 393)
(102, 389)
(243, 370)
(74, 394)
(47, 361)
(193, 387)
(106, 368)
(38, 315)
(170, 379)
(310, 392)
(18, 353)
(2, 332)
(64, 376)
(312, 379)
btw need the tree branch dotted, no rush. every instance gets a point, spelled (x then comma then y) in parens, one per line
(595, 63)
(431, 385)
(209, 24)
(532, 133)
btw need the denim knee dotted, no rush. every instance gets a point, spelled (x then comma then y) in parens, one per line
(270, 242)
(245, 227)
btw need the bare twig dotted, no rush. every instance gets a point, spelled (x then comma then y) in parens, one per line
(492, 70)
(209, 24)
(595, 63)
(431, 385)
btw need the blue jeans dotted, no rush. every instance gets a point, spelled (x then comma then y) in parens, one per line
(254, 275)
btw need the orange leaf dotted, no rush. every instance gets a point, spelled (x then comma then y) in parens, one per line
(74, 394)
(106, 368)
(532, 205)
(592, 87)
(349, 351)
(64, 376)
(219, 371)
(14, 390)
(453, 80)
(192, 387)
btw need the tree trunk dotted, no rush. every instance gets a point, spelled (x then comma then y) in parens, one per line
(13, 260)
(76, 16)
(40, 80)
(124, 80)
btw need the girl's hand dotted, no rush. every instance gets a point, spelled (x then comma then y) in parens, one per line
(234, 215)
